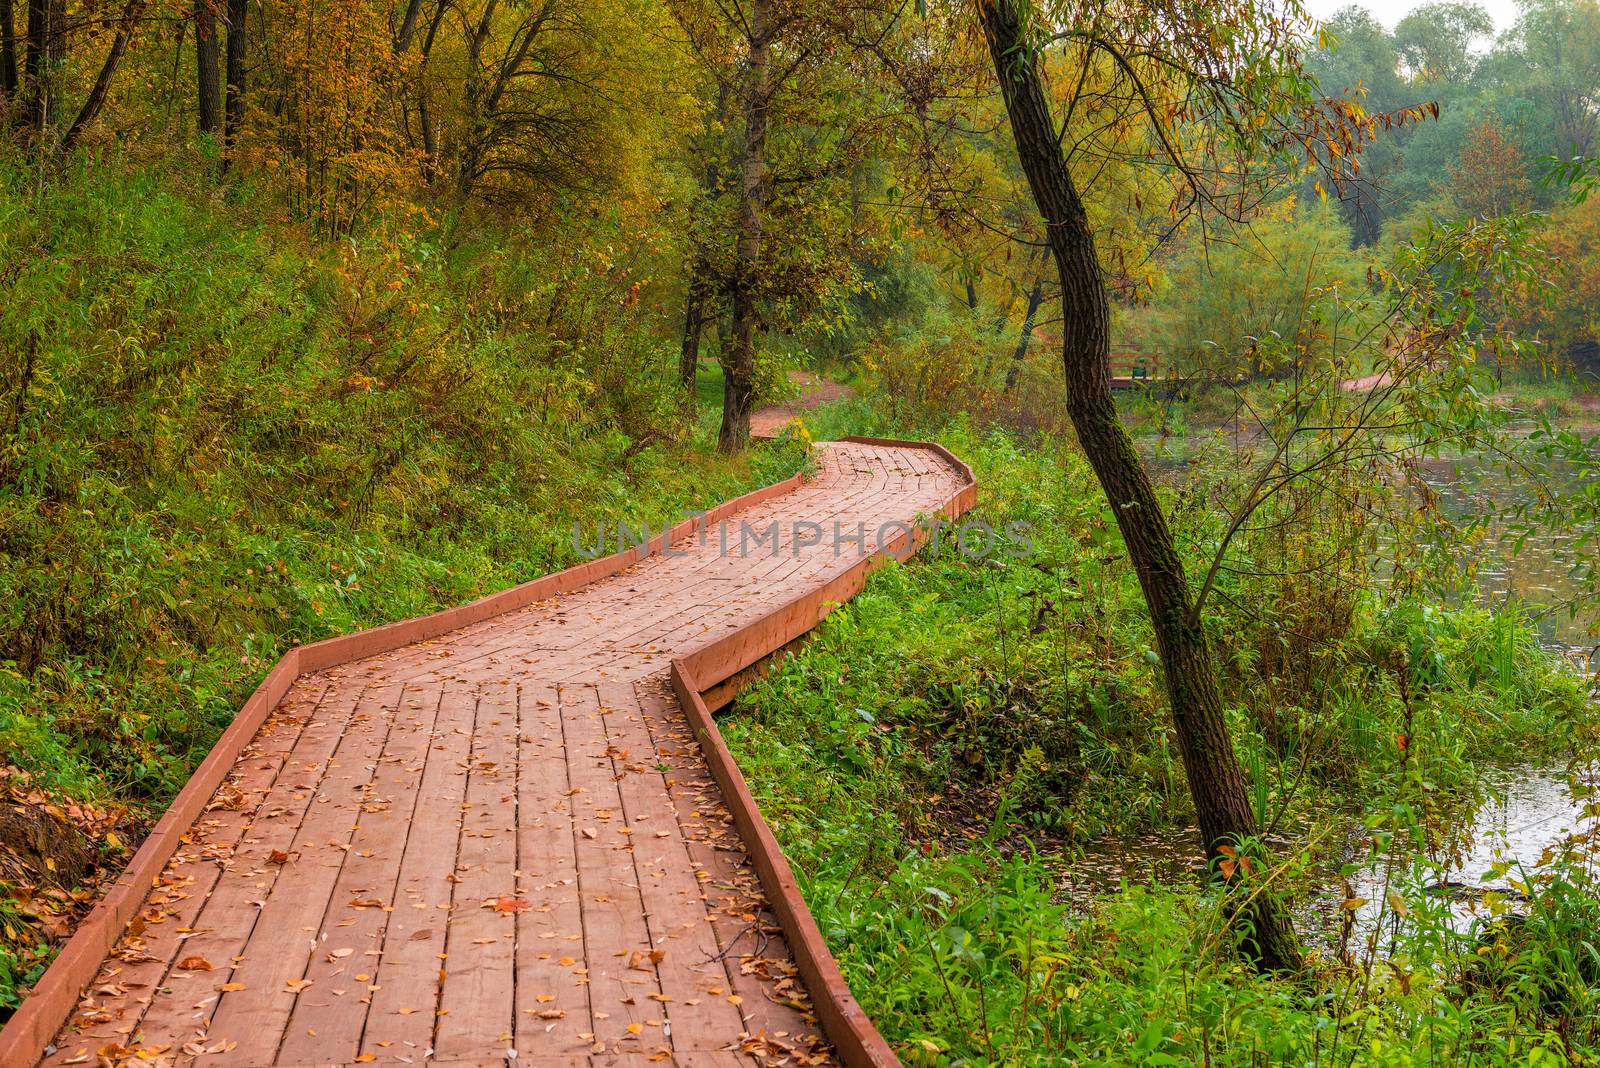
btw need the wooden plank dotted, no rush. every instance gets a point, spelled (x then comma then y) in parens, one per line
(478, 995)
(620, 973)
(695, 982)
(330, 1014)
(552, 1004)
(249, 1021)
(182, 1011)
(146, 953)
(404, 1009)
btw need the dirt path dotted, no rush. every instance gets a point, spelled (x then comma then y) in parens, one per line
(815, 391)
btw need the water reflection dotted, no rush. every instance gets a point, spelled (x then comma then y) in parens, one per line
(1531, 809)
(1539, 574)
(1511, 838)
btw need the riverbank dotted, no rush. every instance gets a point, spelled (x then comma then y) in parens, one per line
(962, 744)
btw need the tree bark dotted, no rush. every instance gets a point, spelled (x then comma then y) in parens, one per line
(694, 321)
(207, 84)
(46, 51)
(1216, 782)
(408, 27)
(108, 70)
(701, 285)
(430, 143)
(8, 54)
(1031, 316)
(739, 358)
(238, 53)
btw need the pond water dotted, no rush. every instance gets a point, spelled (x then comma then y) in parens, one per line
(1532, 807)
(1508, 841)
(1539, 575)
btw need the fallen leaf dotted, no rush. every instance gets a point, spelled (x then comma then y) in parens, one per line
(511, 904)
(195, 964)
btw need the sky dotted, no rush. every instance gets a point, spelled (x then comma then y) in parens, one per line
(1389, 12)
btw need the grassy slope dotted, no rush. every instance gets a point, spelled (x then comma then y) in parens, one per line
(218, 439)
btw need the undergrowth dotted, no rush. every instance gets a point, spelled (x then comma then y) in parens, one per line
(219, 438)
(950, 739)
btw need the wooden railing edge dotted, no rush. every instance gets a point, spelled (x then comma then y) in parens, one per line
(854, 1036)
(28, 1033)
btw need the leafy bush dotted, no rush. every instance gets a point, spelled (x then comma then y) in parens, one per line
(218, 439)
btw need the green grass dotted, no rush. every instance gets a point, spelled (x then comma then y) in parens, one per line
(219, 439)
(947, 740)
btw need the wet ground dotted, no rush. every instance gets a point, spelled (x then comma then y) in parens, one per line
(1532, 810)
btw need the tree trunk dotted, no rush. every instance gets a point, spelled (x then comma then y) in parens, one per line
(694, 321)
(238, 52)
(1031, 316)
(1216, 782)
(701, 287)
(46, 51)
(408, 26)
(430, 143)
(8, 54)
(207, 85)
(739, 358)
(108, 70)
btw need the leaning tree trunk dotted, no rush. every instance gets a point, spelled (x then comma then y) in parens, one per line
(1215, 781)
(694, 322)
(408, 26)
(1031, 316)
(207, 83)
(96, 99)
(238, 53)
(739, 358)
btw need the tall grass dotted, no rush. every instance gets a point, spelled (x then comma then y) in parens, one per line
(219, 437)
(933, 759)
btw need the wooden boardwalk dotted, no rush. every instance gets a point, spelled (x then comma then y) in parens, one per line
(504, 839)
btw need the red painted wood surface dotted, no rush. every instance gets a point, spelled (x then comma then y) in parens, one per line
(495, 829)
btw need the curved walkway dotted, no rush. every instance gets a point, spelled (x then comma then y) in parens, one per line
(501, 839)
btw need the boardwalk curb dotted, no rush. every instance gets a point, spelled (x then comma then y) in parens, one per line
(848, 1027)
(30, 1030)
